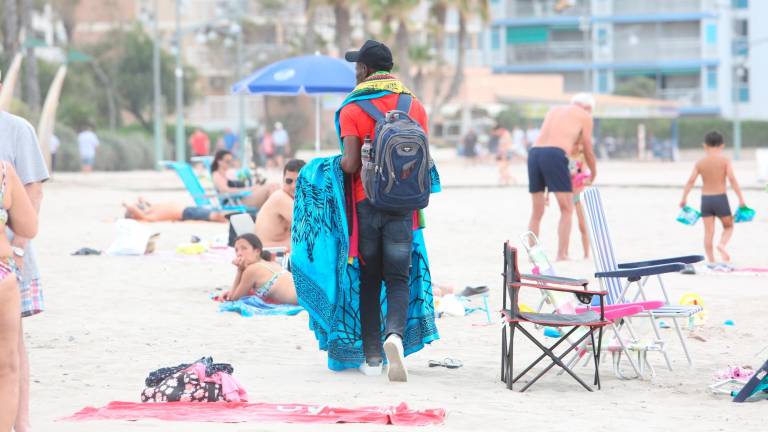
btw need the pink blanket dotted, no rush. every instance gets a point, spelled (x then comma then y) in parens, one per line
(399, 415)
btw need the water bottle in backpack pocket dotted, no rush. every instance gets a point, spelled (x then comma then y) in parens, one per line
(396, 164)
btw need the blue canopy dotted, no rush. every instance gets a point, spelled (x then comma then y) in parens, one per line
(310, 74)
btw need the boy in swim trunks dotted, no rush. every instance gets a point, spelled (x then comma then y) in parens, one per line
(714, 169)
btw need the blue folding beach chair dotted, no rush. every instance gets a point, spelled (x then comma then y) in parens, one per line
(206, 199)
(610, 275)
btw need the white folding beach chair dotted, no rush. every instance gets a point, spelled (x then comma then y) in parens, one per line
(610, 274)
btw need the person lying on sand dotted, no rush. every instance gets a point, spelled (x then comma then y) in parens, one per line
(143, 211)
(258, 275)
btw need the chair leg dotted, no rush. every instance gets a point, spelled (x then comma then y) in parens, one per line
(597, 356)
(626, 352)
(556, 360)
(543, 356)
(682, 342)
(503, 353)
(510, 357)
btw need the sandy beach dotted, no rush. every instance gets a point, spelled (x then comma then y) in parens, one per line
(111, 320)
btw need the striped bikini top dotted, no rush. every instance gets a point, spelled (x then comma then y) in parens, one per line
(3, 210)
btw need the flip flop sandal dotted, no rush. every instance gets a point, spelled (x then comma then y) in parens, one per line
(448, 362)
(472, 291)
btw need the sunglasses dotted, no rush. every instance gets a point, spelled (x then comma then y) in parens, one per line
(289, 181)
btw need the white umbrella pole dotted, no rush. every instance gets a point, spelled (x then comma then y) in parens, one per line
(317, 124)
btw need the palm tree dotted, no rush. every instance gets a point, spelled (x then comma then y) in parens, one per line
(10, 27)
(32, 84)
(466, 9)
(341, 13)
(396, 17)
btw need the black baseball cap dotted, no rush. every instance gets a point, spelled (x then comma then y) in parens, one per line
(373, 54)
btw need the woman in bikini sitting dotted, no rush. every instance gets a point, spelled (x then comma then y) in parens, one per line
(16, 213)
(257, 275)
(223, 161)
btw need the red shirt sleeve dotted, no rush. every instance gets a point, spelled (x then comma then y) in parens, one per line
(348, 122)
(420, 115)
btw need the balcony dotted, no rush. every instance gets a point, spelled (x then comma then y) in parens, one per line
(687, 96)
(551, 52)
(667, 49)
(541, 9)
(624, 7)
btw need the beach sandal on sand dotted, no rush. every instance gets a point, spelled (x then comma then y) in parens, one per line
(448, 362)
(86, 251)
(472, 291)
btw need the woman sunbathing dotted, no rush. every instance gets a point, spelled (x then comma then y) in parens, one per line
(257, 275)
(16, 213)
(258, 193)
(143, 211)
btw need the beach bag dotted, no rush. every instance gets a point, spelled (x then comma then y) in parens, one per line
(183, 386)
(396, 164)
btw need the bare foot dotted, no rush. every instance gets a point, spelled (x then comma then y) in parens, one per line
(562, 258)
(723, 253)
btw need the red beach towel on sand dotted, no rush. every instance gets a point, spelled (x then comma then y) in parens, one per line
(399, 415)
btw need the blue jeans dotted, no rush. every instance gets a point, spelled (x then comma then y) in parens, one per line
(385, 248)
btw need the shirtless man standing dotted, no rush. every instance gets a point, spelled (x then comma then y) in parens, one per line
(273, 222)
(715, 168)
(566, 130)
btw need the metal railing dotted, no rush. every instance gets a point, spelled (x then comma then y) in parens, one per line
(624, 7)
(657, 49)
(551, 52)
(688, 96)
(541, 8)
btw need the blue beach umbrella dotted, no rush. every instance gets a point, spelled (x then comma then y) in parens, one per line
(311, 74)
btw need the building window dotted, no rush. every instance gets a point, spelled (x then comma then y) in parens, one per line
(741, 84)
(711, 34)
(602, 37)
(740, 4)
(711, 78)
(740, 43)
(602, 81)
(495, 39)
(452, 41)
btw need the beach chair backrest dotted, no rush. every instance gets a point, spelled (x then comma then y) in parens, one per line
(564, 303)
(192, 183)
(602, 246)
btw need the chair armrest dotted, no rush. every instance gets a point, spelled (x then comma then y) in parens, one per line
(556, 279)
(637, 273)
(688, 259)
(544, 286)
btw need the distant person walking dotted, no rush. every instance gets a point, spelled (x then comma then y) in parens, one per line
(87, 142)
(200, 143)
(566, 130)
(231, 141)
(503, 153)
(281, 143)
(469, 144)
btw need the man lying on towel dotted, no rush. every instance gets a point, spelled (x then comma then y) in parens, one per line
(343, 247)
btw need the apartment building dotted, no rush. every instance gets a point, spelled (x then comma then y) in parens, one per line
(703, 53)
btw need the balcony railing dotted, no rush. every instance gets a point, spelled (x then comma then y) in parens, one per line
(551, 52)
(541, 9)
(666, 49)
(688, 96)
(624, 7)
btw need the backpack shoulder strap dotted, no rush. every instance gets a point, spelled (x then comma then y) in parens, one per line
(404, 103)
(370, 109)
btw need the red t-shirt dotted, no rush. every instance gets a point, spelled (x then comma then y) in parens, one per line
(200, 144)
(356, 122)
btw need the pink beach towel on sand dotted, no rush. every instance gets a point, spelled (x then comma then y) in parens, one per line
(399, 415)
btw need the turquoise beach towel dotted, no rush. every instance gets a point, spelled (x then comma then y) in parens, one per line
(327, 281)
(252, 305)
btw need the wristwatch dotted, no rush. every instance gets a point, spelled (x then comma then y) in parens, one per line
(19, 252)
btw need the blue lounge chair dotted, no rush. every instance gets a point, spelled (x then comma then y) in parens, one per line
(610, 274)
(202, 198)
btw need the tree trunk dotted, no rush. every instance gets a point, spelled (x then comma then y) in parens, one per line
(341, 16)
(440, 11)
(458, 73)
(10, 27)
(32, 84)
(402, 41)
(111, 101)
(136, 113)
(310, 36)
